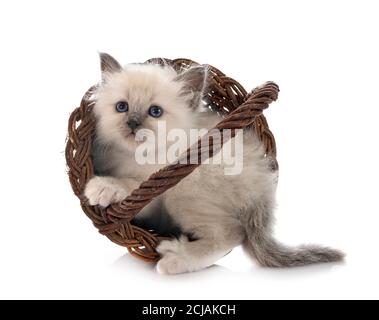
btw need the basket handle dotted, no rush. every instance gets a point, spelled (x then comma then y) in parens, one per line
(166, 178)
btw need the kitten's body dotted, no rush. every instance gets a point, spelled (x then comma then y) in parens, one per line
(212, 212)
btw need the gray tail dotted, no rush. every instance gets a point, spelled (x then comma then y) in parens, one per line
(270, 253)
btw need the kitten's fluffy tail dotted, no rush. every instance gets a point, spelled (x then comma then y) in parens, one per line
(270, 253)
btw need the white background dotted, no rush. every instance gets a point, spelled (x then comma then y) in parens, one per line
(323, 54)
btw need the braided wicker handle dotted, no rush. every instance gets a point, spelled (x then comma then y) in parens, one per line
(169, 176)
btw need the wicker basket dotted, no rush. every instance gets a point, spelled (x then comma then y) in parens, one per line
(226, 96)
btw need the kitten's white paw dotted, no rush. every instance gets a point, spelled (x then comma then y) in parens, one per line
(103, 191)
(174, 245)
(172, 263)
(174, 259)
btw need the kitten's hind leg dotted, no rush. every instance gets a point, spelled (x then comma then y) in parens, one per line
(181, 255)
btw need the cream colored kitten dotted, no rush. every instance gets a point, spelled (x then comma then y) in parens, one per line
(208, 211)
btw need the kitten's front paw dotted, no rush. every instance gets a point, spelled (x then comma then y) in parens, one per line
(103, 191)
(174, 259)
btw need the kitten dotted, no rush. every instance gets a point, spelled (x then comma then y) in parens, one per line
(209, 212)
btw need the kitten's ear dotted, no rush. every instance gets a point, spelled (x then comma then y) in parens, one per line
(195, 81)
(108, 64)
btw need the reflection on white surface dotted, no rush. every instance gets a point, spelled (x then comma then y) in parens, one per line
(233, 265)
(234, 277)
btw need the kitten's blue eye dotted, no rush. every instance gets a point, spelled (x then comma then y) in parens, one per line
(122, 106)
(155, 111)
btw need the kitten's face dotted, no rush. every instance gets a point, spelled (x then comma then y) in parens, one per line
(137, 97)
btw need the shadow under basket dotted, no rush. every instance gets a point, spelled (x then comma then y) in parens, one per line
(226, 96)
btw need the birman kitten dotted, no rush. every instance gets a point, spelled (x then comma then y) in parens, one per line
(209, 212)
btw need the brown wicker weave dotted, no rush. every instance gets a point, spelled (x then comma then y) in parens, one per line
(225, 96)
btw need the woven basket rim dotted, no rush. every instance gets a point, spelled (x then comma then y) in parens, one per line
(225, 96)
